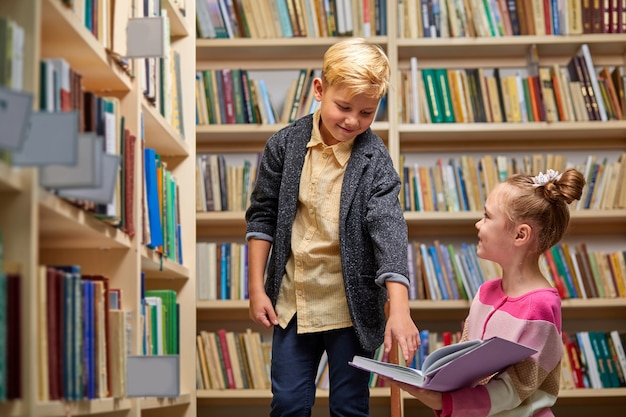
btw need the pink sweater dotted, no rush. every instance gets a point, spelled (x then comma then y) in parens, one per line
(528, 388)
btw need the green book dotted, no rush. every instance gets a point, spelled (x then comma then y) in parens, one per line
(444, 93)
(168, 298)
(432, 95)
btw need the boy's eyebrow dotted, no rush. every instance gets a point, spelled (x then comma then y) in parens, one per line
(344, 103)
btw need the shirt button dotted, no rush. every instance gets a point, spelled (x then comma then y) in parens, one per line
(299, 292)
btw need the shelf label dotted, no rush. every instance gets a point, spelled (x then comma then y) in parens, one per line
(15, 110)
(52, 139)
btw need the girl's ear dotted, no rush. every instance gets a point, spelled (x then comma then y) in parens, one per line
(524, 232)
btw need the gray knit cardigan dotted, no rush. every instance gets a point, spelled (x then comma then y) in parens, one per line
(372, 231)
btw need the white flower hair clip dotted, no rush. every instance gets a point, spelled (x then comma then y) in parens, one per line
(542, 179)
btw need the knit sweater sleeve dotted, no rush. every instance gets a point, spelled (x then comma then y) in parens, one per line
(527, 388)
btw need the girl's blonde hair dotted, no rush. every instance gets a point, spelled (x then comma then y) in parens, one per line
(544, 207)
(358, 66)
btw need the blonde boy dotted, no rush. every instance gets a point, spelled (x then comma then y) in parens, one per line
(326, 207)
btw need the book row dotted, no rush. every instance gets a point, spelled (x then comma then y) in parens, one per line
(463, 183)
(224, 183)
(83, 335)
(437, 271)
(577, 272)
(221, 186)
(577, 91)
(236, 96)
(496, 18)
(101, 118)
(593, 359)
(290, 18)
(12, 37)
(231, 96)
(232, 360)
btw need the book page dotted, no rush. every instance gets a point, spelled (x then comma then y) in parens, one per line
(446, 354)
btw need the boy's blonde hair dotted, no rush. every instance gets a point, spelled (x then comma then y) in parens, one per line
(358, 66)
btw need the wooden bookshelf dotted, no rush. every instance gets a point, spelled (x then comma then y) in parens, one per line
(40, 228)
(432, 140)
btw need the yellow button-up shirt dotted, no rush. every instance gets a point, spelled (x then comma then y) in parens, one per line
(313, 283)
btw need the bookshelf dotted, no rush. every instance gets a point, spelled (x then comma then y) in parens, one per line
(428, 140)
(39, 228)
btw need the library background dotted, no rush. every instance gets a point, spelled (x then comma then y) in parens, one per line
(122, 199)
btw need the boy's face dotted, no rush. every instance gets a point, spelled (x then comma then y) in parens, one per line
(343, 118)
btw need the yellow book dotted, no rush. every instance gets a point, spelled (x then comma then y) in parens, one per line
(547, 90)
(618, 267)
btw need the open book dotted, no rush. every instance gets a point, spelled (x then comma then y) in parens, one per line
(454, 366)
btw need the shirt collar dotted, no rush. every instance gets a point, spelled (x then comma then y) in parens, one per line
(341, 150)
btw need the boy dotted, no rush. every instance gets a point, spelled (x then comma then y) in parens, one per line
(326, 204)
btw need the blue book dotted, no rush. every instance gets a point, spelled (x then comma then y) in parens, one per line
(152, 196)
(72, 333)
(89, 340)
(285, 21)
(432, 251)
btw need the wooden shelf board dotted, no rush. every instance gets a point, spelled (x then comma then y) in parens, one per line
(508, 46)
(218, 224)
(12, 408)
(9, 178)
(594, 308)
(294, 52)
(246, 138)
(160, 135)
(221, 224)
(512, 136)
(462, 223)
(156, 266)
(178, 26)
(264, 396)
(589, 396)
(150, 403)
(63, 225)
(85, 407)
(80, 48)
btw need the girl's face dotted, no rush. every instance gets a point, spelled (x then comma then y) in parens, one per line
(495, 237)
(343, 117)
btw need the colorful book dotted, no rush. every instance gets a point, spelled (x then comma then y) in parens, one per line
(454, 366)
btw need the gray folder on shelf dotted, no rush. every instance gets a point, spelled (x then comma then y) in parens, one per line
(147, 37)
(15, 110)
(52, 139)
(87, 173)
(104, 193)
(153, 376)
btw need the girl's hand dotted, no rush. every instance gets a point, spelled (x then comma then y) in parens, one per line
(431, 399)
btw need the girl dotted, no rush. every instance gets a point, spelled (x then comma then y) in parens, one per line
(524, 216)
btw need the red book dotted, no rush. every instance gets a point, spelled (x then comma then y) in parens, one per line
(54, 288)
(14, 337)
(228, 366)
(228, 96)
(128, 175)
(573, 353)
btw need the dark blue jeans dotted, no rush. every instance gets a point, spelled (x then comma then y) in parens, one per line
(295, 359)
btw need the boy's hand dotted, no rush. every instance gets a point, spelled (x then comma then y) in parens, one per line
(402, 328)
(400, 325)
(261, 310)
